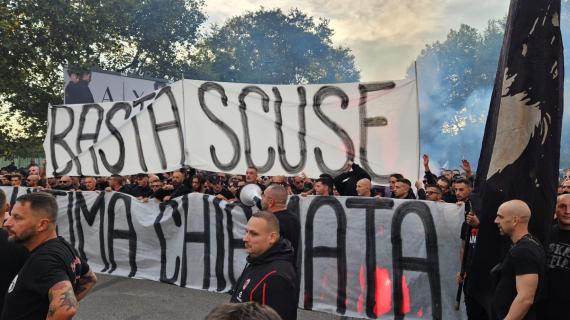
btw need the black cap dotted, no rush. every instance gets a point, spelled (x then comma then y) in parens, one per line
(214, 179)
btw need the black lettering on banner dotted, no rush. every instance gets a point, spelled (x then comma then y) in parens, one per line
(13, 198)
(107, 95)
(242, 109)
(234, 243)
(89, 214)
(162, 242)
(142, 100)
(430, 264)
(175, 213)
(197, 237)
(90, 136)
(135, 93)
(200, 237)
(59, 193)
(205, 87)
(142, 162)
(169, 125)
(58, 139)
(220, 252)
(366, 122)
(70, 218)
(323, 93)
(292, 169)
(130, 234)
(118, 166)
(135, 122)
(294, 208)
(338, 252)
(370, 205)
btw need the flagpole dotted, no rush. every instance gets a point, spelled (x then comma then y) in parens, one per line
(418, 111)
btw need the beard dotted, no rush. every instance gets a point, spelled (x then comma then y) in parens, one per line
(22, 238)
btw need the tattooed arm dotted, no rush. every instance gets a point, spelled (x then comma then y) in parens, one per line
(85, 284)
(62, 301)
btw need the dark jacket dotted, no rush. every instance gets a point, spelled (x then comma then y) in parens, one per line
(270, 279)
(345, 182)
(180, 191)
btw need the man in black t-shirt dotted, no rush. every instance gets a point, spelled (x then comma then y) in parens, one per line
(520, 277)
(12, 255)
(476, 307)
(345, 182)
(558, 263)
(274, 200)
(54, 278)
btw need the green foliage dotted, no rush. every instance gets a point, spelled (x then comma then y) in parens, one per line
(269, 46)
(40, 38)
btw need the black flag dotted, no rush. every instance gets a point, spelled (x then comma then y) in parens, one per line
(521, 146)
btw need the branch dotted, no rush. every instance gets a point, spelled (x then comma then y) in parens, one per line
(134, 62)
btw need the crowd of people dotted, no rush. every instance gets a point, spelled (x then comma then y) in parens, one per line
(531, 277)
(166, 186)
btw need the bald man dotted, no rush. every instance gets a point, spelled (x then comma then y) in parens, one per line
(558, 262)
(274, 200)
(364, 188)
(33, 181)
(521, 275)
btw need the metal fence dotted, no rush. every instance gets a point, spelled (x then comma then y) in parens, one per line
(22, 162)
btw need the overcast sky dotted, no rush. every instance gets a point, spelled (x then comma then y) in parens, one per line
(384, 35)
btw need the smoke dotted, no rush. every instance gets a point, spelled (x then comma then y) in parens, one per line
(450, 132)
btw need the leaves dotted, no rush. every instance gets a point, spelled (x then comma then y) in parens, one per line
(40, 38)
(269, 46)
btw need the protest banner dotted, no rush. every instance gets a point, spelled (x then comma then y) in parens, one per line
(281, 130)
(359, 257)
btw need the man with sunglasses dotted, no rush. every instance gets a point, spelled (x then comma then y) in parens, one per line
(434, 193)
(65, 183)
(33, 181)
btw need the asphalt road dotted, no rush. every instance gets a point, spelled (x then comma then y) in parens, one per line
(133, 299)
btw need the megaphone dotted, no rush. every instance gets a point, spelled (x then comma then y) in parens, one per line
(250, 195)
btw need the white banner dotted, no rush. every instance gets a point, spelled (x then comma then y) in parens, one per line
(359, 257)
(105, 86)
(281, 130)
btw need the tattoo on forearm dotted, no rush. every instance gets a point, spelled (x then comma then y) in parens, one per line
(82, 284)
(51, 312)
(68, 299)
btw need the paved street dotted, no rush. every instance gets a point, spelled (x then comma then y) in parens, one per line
(133, 299)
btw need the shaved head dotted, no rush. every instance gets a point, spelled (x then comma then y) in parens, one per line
(270, 219)
(516, 208)
(363, 187)
(512, 219)
(563, 211)
(278, 193)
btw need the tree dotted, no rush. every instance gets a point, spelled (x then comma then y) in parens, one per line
(269, 46)
(40, 38)
(456, 79)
